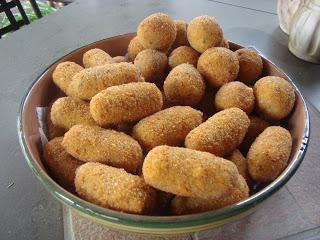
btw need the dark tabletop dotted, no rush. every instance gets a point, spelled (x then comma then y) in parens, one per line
(28, 211)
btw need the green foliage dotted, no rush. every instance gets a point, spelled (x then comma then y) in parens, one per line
(45, 9)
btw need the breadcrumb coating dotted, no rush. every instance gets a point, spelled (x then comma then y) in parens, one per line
(181, 37)
(220, 134)
(91, 81)
(242, 164)
(96, 57)
(96, 144)
(119, 59)
(69, 111)
(63, 74)
(60, 163)
(52, 130)
(183, 54)
(134, 48)
(125, 103)
(188, 172)
(114, 188)
(167, 127)
(268, 155)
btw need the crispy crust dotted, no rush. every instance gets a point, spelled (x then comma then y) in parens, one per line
(183, 54)
(134, 48)
(119, 59)
(96, 57)
(181, 37)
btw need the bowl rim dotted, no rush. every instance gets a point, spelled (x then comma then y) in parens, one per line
(160, 224)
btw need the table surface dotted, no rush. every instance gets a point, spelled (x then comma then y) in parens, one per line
(29, 212)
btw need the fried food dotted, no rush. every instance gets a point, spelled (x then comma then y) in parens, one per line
(183, 54)
(96, 57)
(257, 126)
(125, 103)
(204, 32)
(275, 97)
(134, 48)
(63, 74)
(269, 154)
(152, 64)
(119, 59)
(114, 188)
(96, 144)
(69, 111)
(61, 164)
(235, 94)
(167, 127)
(91, 81)
(181, 37)
(157, 31)
(187, 205)
(52, 130)
(242, 164)
(251, 65)
(184, 85)
(220, 134)
(218, 65)
(188, 172)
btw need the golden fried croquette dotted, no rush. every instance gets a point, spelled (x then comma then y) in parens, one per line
(114, 188)
(183, 54)
(181, 37)
(157, 31)
(119, 59)
(52, 130)
(69, 111)
(275, 97)
(167, 127)
(63, 74)
(224, 43)
(152, 64)
(257, 125)
(187, 205)
(61, 164)
(241, 162)
(125, 103)
(235, 94)
(91, 81)
(184, 85)
(204, 32)
(96, 144)
(220, 134)
(269, 153)
(188, 172)
(96, 57)
(251, 65)
(218, 65)
(134, 48)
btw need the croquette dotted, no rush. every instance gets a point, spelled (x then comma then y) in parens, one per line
(134, 48)
(269, 154)
(181, 37)
(187, 205)
(125, 103)
(52, 130)
(63, 74)
(167, 127)
(251, 65)
(114, 188)
(257, 126)
(91, 81)
(119, 59)
(157, 31)
(190, 173)
(204, 32)
(242, 164)
(220, 134)
(275, 97)
(184, 85)
(218, 65)
(61, 164)
(152, 64)
(96, 57)
(69, 111)
(183, 54)
(235, 94)
(96, 144)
